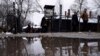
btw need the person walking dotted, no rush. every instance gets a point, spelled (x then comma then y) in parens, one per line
(84, 16)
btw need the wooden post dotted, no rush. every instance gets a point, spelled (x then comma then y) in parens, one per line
(68, 13)
(60, 21)
(90, 14)
(98, 25)
(65, 14)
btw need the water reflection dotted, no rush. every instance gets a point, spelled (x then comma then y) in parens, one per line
(17, 46)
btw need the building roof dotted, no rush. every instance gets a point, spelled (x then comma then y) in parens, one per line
(49, 6)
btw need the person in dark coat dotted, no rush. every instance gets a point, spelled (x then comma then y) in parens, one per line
(28, 29)
(75, 22)
(44, 24)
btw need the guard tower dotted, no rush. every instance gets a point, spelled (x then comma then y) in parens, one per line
(49, 11)
(47, 22)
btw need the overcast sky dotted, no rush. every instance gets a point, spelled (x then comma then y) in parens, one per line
(66, 3)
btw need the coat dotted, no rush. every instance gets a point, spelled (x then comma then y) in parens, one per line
(75, 19)
(84, 16)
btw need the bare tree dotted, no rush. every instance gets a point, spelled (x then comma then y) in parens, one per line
(97, 3)
(5, 7)
(79, 5)
(22, 8)
(27, 6)
(97, 6)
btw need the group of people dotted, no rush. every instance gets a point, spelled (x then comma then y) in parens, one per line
(75, 21)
